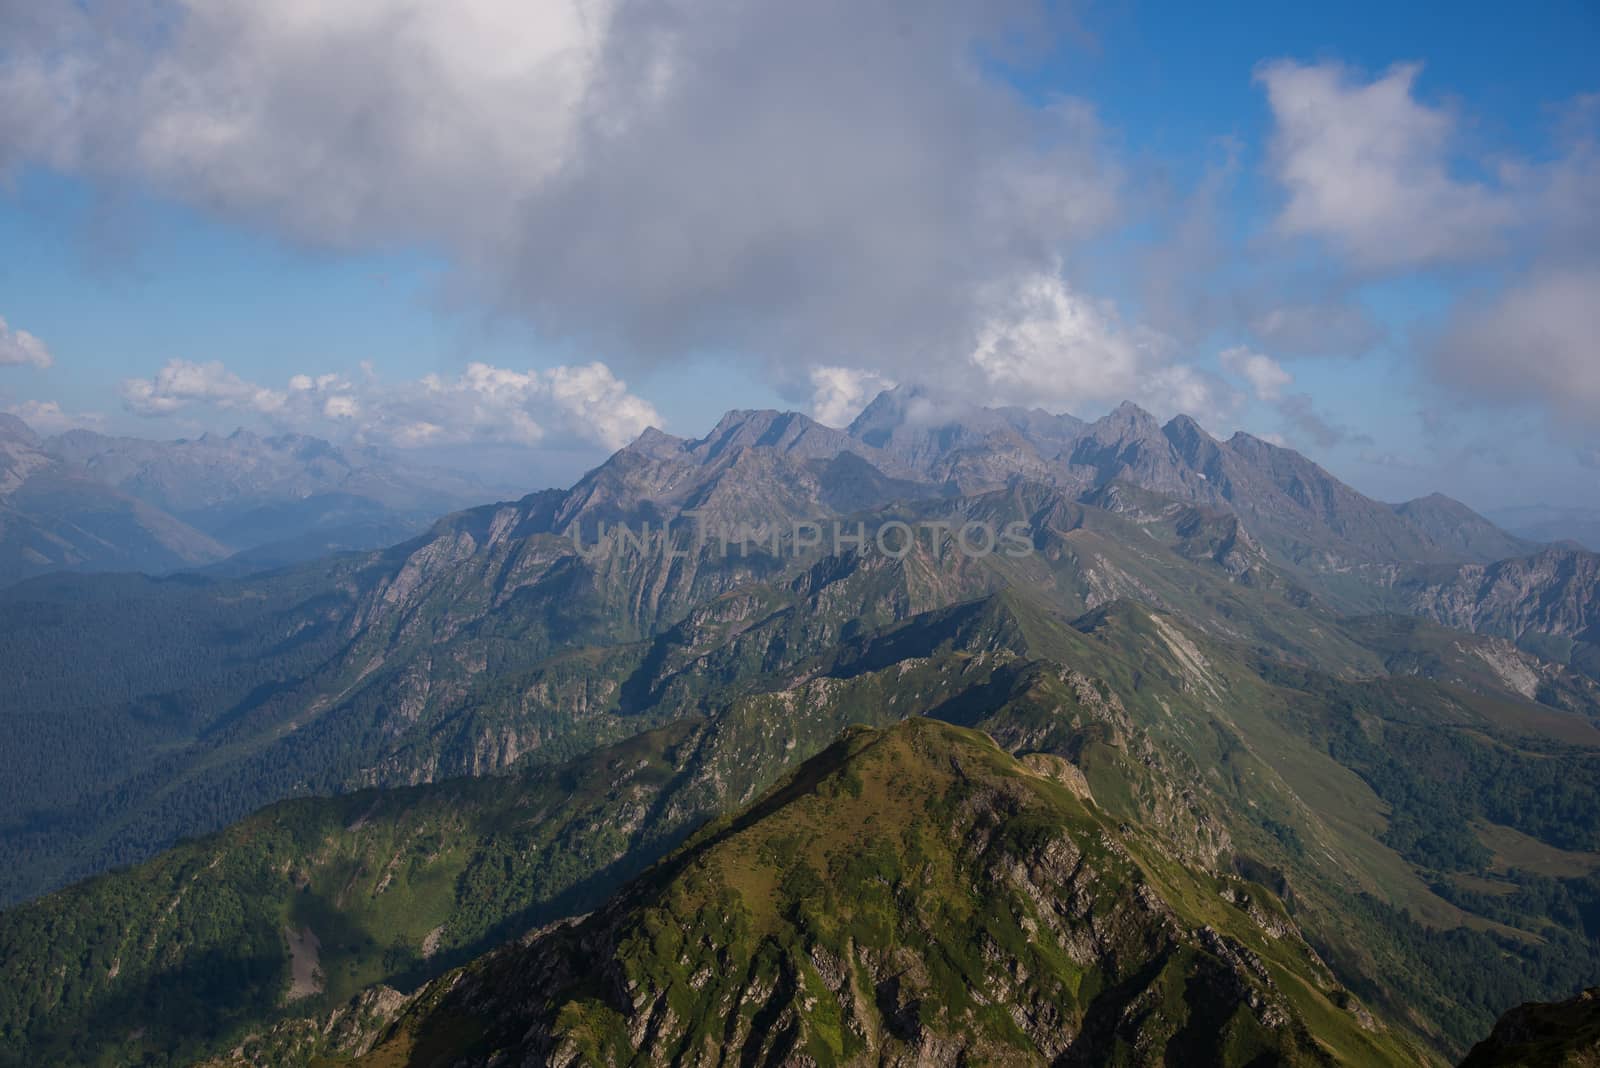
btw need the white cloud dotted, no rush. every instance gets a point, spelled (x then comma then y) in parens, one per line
(1538, 341)
(341, 407)
(18, 347)
(811, 182)
(1382, 177)
(591, 396)
(1047, 345)
(1367, 167)
(1266, 376)
(585, 404)
(48, 418)
(839, 393)
(181, 384)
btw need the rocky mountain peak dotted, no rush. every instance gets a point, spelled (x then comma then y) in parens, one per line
(912, 443)
(653, 441)
(1184, 428)
(1198, 448)
(1246, 443)
(1126, 422)
(785, 432)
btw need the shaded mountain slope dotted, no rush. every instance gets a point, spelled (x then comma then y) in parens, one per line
(1451, 524)
(1564, 1034)
(402, 883)
(1548, 603)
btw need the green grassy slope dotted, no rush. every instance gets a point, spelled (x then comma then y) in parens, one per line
(914, 892)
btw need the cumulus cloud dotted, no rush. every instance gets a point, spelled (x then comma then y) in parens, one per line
(18, 347)
(831, 187)
(181, 384)
(1382, 177)
(839, 393)
(1266, 376)
(1368, 168)
(827, 182)
(585, 404)
(595, 402)
(1044, 344)
(1538, 341)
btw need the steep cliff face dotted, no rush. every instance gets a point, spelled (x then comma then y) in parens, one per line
(1556, 591)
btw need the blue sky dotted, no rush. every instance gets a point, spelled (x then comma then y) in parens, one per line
(1255, 213)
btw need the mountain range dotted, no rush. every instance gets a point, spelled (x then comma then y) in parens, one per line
(84, 501)
(1224, 763)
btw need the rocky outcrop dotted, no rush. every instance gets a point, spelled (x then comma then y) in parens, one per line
(1563, 1034)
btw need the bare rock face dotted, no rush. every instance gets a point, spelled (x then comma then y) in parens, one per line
(1555, 592)
(348, 1031)
(1058, 769)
